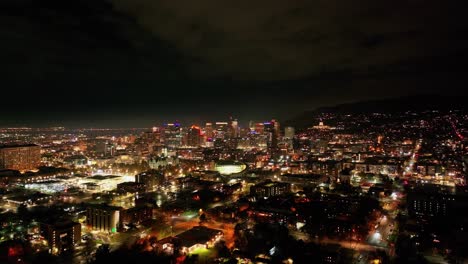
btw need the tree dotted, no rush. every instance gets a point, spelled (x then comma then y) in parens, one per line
(44, 257)
(152, 240)
(222, 250)
(203, 218)
(89, 247)
(102, 253)
(22, 211)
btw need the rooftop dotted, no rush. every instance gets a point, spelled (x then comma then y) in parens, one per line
(197, 235)
(18, 146)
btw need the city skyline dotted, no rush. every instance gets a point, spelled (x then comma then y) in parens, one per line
(113, 61)
(101, 121)
(369, 187)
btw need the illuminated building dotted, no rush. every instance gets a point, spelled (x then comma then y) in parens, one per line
(277, 128)
(465, 168)
(194, 136)
(229, 167)
(173, 135)
(157, 162)
(61, 236)
(269, 188)
(209, 130)
(76, 161)
(136, 215)
(436, 201)
(221, 129)
(289, 132)
(322, 126)
(430, 169)
(131, 187)
(299, 179)
(209, 142)
(103, 217)
(20, 157)
(190, 240)
(105, 148)
(153, 137)
(266, 214)
(375, 166)
(251, 125)
(259, 127)
(234, 128)
(103, 182)
(271, 129)
(150, 179)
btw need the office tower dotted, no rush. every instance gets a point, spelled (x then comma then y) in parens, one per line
(221, 129)
(173, 135)
(209, 131)
(289, 132)
(271, 129)
(194, 136)
(276, 127)
(252, 125)
(234, 128)
(20, 157)
(156, 135)
(259, 128)
(289, 136)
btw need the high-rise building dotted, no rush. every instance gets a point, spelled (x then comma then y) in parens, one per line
(277, 128)
(154, 136)
(259, 128)
(194, 136)
(234, 128)
(209, 131)
(252, 125)
(20, 157)
(221, 129)
(173, 135)
(271, 131)
(289, 132)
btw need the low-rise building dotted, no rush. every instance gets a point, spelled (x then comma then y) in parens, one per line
(270, 188)
(137, 215)
(104, 217)
(131, 187)
(190, 240)
(61, 236)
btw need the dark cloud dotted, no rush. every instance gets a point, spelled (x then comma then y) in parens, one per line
(278, 40)
(143, 61)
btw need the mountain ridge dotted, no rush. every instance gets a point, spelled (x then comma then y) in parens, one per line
(388, 105)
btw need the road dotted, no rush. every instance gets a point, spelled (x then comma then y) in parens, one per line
(409, 169)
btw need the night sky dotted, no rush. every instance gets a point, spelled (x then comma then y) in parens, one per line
(122, 63)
